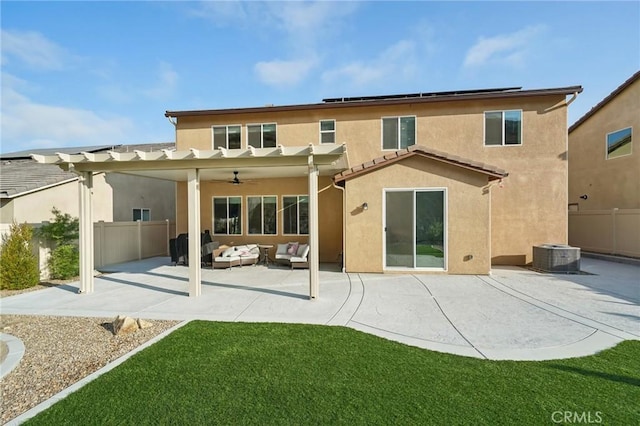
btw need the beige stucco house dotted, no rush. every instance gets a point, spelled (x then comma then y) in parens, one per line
(448, 182)
(604, 174)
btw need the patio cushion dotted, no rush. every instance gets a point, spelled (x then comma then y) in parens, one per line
(228, 252)
(292, 249)
(303, 251)
(282, 249)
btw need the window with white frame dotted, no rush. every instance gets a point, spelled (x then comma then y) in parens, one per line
(327, 131)
(398, 132)
(295, 215)
(262, 213)
(261, 135)
(143, 215)
(619, 143)
(503, 128)
(226, 137)
(227, 214)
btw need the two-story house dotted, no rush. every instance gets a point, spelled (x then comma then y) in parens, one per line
(448, 182)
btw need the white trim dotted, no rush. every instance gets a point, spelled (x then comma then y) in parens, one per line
(297, 214)
(445, 225)
(262, 197)
(213, 215)
(484, 128)
(226, 126)
(606, 144)
(398, 117)
(326, 131)
(261, 134)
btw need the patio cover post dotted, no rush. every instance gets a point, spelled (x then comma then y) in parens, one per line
(85, 185)
(314, 262)
(193, 206)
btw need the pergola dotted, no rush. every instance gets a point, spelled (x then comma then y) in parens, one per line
(193, 166)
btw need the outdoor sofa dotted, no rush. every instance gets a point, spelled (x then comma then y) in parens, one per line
(294, 254)
(228, 257)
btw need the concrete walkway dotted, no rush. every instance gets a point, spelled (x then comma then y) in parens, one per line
(512, 314)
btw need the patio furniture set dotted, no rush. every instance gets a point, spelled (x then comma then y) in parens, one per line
(293, 254)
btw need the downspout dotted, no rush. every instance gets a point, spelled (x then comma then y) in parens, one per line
(573, 98)
(344, 223)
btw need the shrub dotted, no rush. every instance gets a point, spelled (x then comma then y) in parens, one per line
(18, 264)
(63, 230)
(64, 262)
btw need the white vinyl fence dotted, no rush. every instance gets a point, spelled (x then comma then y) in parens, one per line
(615, 231)
(115, 242)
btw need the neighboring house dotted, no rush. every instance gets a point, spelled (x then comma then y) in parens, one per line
(29, 190)
(604, 155)
(604, 174)
(447, 182)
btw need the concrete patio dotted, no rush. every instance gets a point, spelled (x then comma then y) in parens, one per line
(514, 313)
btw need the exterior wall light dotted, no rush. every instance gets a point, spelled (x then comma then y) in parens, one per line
(365, 206)
(584, 197)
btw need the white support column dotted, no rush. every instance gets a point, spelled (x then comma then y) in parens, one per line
(86, 232)
(193, 207)
(314, 258)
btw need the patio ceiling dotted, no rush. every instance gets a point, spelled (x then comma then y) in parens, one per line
(252, 163)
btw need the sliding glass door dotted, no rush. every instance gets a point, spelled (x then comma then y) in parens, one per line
(415, 228)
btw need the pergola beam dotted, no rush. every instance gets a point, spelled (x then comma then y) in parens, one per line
(193, 195)
(314, 258)
(85, 183)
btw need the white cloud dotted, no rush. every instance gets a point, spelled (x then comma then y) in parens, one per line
(33, 49)
(504, 48)
(27, 124)
(166, 85)
(284, 73)
(398, 61)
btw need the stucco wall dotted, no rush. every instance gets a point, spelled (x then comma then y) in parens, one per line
(329, 206)
(36, 207)
(529, 208)
(468, 214)
(131, 192)
(613, 183)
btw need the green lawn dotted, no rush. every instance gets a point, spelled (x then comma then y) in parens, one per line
(237, 373)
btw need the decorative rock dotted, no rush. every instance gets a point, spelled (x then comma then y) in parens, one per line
(142, 324)
(123, 325)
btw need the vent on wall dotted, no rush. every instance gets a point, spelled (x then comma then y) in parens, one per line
(556, 258)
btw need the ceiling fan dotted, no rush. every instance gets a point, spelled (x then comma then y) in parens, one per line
(236, 180)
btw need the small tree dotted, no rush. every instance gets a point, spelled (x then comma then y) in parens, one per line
(18, 264)
(63, 231)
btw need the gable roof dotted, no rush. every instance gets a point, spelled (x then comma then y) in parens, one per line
(20, 174)
(412, 98)
(605, 101)
(491, 171)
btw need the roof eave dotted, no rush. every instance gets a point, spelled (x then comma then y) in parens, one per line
(569, 90)
(605, 101)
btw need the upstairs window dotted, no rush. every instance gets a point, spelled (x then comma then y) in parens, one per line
(227, 212)
(295, 215)
(226, 137)
(262, 212)
(261, 135)
(327, 131)
(398, 132)
(143, 215)
(619, 143)
(503, 128)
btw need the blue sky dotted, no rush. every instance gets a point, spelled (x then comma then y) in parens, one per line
(91, 73)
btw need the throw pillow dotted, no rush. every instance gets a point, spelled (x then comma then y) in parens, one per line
(292, 249)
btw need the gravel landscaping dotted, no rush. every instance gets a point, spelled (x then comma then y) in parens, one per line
(59, 351)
